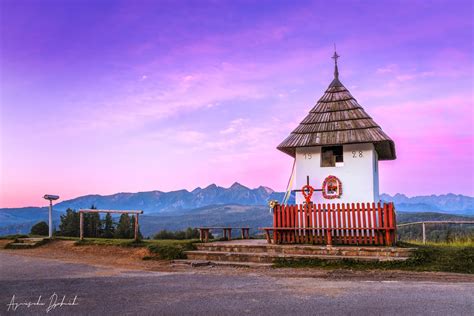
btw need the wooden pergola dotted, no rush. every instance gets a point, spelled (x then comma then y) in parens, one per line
(81, 218)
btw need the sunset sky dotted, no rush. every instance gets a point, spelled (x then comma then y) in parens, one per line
(126, 96)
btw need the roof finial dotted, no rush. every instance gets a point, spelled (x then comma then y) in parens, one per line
(335, 57)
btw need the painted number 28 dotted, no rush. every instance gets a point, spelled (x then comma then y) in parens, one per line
(355, 155)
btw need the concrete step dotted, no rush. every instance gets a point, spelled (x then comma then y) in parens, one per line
(215, 256)
(20, 245)
(308, 250)
(30, 239)
(201, 263)
(26, 243)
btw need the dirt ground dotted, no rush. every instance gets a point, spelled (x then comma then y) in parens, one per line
(120, 259)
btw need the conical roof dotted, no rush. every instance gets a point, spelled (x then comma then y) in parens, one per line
(338, 119)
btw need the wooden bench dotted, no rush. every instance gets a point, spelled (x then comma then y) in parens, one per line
(227, 232)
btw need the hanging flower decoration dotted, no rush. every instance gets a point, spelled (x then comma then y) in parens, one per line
(272, 204)
(332, 188)
(307, 192)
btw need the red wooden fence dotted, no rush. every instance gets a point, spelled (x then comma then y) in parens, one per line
(350, 224)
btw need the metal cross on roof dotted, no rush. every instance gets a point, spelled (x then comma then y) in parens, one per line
(335, 57)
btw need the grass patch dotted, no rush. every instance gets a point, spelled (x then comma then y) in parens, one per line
(430, 257)
(110, 242)
(13, 237)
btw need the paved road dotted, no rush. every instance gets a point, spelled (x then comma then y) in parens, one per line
(103, 292)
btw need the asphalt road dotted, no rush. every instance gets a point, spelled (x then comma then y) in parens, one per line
(100, 291)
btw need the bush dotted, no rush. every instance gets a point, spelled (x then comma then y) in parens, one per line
(189, 233)
(171, 251)
(40, 228)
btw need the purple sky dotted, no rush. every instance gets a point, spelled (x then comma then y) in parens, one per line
(112, 96)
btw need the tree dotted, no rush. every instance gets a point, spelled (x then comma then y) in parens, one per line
(69, 225)
(108, 231)
(40, 228)
(123, 227)
(92, 224)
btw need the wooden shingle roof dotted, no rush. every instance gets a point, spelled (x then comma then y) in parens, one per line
(338, 119)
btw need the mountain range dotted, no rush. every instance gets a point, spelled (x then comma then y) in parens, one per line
(243, 205)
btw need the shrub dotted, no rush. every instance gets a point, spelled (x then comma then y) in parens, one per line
(189, 233)
(40, 228)
(171, 251)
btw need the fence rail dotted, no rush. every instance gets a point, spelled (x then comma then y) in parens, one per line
(423, 225)
(349, 223)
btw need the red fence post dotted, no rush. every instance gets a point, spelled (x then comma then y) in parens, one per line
(385, 224)
(394, 231)
(374, 225)
(329, 231)
(275, 223)
(390, 223)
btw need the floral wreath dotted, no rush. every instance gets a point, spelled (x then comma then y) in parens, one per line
(327, 186)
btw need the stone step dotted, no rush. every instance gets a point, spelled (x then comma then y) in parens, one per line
(26, 243)
(30, 239)
(215, 256)
(201, 263)
(308, 250)
(20, 245)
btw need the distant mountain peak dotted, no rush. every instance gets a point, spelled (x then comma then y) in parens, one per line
(266, 189)
(237, 185)
(211, 186)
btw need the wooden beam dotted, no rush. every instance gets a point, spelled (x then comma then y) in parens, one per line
(111, 211)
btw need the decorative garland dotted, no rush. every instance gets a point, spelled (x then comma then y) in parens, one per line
(307, 192)
(338, 188)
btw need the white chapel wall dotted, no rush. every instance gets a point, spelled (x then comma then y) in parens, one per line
(358, 175)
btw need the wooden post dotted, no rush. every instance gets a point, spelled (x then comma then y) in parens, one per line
(267, 235)
(201, 236)
(206, 235)
(275, 210)
(386, 225)
(136, 227)
(329, 231)
(390, 223)
(81, 226)
(424, 232)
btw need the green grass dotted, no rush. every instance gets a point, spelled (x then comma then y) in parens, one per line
(431, 257)
(456, 243)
